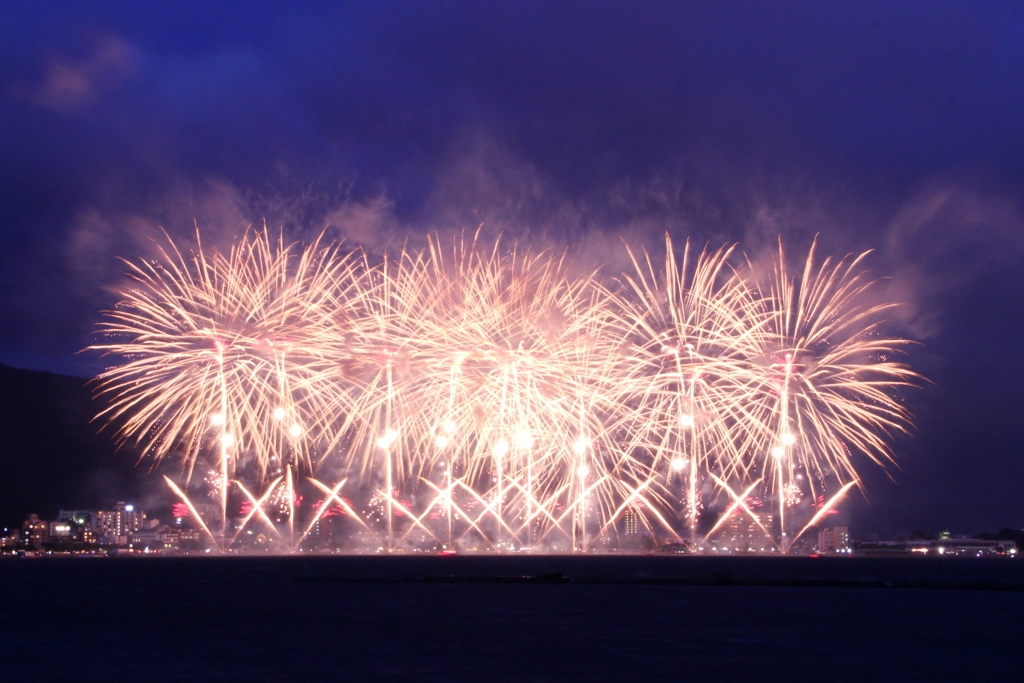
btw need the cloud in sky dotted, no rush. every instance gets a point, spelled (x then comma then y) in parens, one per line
(70, 84)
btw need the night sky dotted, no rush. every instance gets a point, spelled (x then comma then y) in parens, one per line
(885, 126)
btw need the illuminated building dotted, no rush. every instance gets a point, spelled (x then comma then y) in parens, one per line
(834, 540)
(81, 527)
(82, 518)
(115, 525)
(61, 530)
(747, 533)
(154, 537)
(179, 538)
(34, 532)
(631, 522)
(635, 536)
(323, 532)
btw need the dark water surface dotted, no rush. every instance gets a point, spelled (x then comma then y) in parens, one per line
(372, 618)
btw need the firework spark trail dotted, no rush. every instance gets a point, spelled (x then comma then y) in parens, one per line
(822, 386)
(256, 508)
(695, 318)
(238, 332)
(548, 397)
(195, 516)
(826, 508)
(739, 501)
(222, 349)
(493, 362)
(525, 362)
(322, 511)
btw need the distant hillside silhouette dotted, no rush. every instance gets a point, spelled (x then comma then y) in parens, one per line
(51, 454)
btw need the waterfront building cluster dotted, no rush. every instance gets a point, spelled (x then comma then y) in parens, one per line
(126, 529)
(123, 528)
(946, 545)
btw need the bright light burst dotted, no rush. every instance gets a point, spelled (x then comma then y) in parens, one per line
(526, 403)
(823, 382)
(696, 320)
(225, 348)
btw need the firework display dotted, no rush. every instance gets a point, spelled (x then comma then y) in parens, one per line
(494, 396)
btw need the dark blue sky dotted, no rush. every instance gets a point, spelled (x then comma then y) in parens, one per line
(895, 127)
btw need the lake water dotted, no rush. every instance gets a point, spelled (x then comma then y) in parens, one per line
(373, 618)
